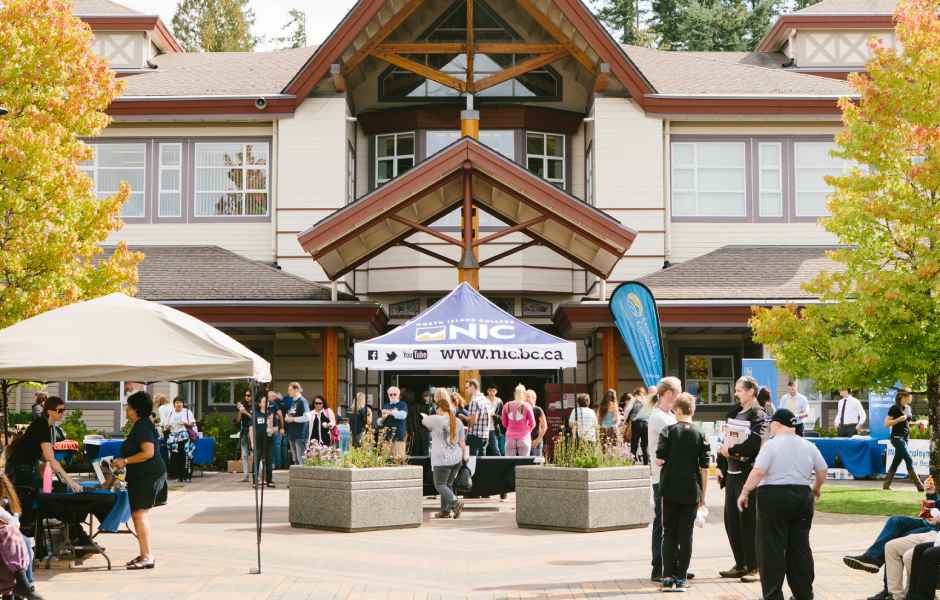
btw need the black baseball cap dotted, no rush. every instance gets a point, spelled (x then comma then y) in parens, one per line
(785, 417)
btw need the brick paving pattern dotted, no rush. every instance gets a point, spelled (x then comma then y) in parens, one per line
(204, 545)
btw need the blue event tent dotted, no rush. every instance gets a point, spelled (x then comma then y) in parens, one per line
(465, 331)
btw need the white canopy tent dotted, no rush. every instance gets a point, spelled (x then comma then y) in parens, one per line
(116, 338)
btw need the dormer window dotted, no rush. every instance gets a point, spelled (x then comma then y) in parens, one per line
(396, 84)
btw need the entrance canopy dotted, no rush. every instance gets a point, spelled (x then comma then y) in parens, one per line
(115, 338)
(465, 331)
(410, 203)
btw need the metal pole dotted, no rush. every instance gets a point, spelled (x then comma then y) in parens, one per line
(259, 504)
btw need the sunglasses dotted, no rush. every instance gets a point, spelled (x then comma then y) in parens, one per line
(60, 410)
(318, 404)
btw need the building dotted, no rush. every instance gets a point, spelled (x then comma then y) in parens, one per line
(303, 199)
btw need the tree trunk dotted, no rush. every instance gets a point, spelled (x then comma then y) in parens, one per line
(933, 402)
(5, 395)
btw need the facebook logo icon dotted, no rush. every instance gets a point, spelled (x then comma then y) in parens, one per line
(373, 355)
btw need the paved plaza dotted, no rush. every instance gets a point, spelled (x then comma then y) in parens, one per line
(204, 544)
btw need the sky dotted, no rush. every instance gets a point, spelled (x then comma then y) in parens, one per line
(270, 15)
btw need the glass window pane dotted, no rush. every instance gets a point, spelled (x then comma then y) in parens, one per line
(771, 204)
(683, 154)
(257, 179)
(171, 155)
(722, 366)
(218, 204)
(438, 140)
(501, 140)
(537, 166)
(770, 155)
(170, 203)
(770, 180)
(810, 154)
(406, 144)
(109, 180)
(213, 180)
(385, 145)
(683, 204)
(683, 179)
(134, 207)
(696, 367)
(721, 180)
(384, 170)
(404, 165)
(170, 180)
(721, 154)
(721, 204)
(256, 204)
(122, 155)
(535, 144)
(555, 145)
(256, 154)
(556, 169)
(219, 155)
(811, 204)
(93, 390)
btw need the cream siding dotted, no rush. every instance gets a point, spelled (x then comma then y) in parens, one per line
(251, 240)
(122, 49)
(838, 48)
(695, 239)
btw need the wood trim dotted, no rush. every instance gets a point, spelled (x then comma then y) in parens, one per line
(330, 359)
(609, 352)
(516, 70)
(424, 229)
(397, 18)
(200, 106)
(471, 40)
(510, 230)
(599, 314)
(741, 106)
(326, 314)
(516, 48)
(431, 253)
(419, 69)
(422, 47)
(538, 118)
(510, 252)
(555, 31)
(785, 23)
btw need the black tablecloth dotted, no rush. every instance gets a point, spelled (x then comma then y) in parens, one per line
(493, 474)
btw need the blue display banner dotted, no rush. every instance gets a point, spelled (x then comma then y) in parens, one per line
(878, 405)
(764, 370)
(634, 311)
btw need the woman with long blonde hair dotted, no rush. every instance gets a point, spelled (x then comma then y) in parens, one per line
(361, 419)
(518, 420)
(447, 452)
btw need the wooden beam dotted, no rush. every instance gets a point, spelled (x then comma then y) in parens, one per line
(471, 39)
(339, 82)
(422, 70)
(603, 79)
(330, 353)
(555, 31)
(424, 229)
(509, 230)
(422, 48)
(430, 253)
(516, 70)
(386, 30)
(609, 352)
(515, 48)
(509, 252)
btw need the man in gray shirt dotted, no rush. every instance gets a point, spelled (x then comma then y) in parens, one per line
(788, 473)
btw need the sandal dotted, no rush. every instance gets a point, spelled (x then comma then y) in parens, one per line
(142, 564)
(133, 560)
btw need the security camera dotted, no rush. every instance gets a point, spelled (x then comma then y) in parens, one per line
(261, 103)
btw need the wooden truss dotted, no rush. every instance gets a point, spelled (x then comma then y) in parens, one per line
(541, 54)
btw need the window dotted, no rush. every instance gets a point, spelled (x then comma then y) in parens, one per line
(225, 393)
(770, 179)
(710, 378)
(397, 84)
(589, 175)
(545, 156)
(812, 162)
(171, 180)
(500, 140)
(116, 163)
(394, 156)
(231, 179)
(89, 391)
(709, 179)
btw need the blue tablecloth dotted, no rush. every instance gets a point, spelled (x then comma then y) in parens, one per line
(120, 514)
(860, 456)
(204, 454)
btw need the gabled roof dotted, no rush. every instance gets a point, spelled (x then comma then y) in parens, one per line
(744, 273)
(831, 14)
(218, 74)
(210, 273)
(104, 15)
(850, 7)
(364, 229)
(101, 8)
(705, 74)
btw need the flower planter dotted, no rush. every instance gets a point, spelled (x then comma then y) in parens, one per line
(352, 500)
(583, 500)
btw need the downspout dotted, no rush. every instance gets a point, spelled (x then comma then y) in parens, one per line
(667, 193)
(274, 188)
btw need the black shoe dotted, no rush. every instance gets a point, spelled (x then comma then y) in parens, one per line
(23, 589)
(750, 577)
(882, 595)
(656, 577)
(690, 575)
(271, 484)
(735, 572)
(861, 563)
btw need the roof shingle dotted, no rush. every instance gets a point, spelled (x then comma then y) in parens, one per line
(210, 273)
(744, 272)
(218, 73)
(850, 7)
(728, 74)
(101, 8)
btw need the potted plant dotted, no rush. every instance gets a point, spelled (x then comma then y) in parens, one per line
(585, 486)
(363, 489)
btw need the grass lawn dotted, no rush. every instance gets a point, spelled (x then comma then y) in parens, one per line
(869, 501)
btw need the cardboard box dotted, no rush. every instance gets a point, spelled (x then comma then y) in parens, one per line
(235, 466)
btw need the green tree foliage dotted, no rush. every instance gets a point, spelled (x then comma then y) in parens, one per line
(712, 25)
(879, 322)
(214, 25)
(295, 30)
(623, 18)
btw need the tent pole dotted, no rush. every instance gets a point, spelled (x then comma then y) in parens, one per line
(259, 505)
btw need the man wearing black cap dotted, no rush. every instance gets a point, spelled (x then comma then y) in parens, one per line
(788, 473)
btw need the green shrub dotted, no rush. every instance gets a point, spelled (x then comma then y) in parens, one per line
(221, 426)
(20, 418)
(74, 426)
(369, 454)
(578, 453)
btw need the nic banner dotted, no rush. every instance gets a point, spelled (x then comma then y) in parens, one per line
(634, 311)
(878, 405)
(764, 370)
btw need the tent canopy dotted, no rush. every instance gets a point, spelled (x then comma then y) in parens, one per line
(465, 331)
(115, 338)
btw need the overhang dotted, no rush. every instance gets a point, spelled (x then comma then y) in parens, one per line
(787, 23)
(530, 205)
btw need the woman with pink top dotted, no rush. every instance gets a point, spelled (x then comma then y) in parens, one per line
(518, 421)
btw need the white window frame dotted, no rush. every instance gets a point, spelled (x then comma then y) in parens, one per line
(161, 168)
(845, 165)
(560, 183)
(395, 157)
(92, 168)
(765, 189)
(695, 168)
(711, 379)
(245, 191)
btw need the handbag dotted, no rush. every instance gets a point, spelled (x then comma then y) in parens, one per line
(464, 481)
(191, 431)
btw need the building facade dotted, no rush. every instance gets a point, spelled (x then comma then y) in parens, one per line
(303, 199)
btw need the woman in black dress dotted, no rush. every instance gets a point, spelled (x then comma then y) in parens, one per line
(146, 473)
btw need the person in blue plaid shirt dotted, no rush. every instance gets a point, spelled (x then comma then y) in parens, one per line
(481, 417)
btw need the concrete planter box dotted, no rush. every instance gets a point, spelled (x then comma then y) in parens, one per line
(355, 499)
(583, 500)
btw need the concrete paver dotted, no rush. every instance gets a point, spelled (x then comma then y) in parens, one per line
(204, 543)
